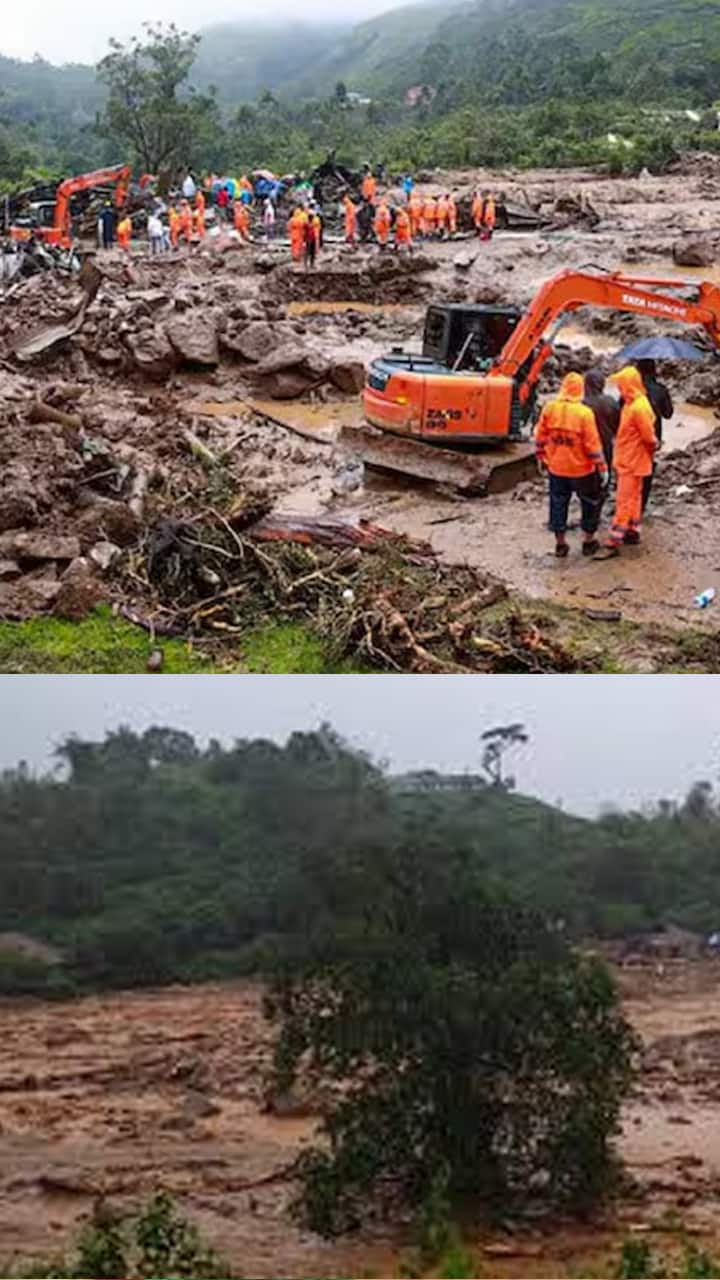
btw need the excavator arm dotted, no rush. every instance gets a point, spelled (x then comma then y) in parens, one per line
(572, 290)
(118, 174)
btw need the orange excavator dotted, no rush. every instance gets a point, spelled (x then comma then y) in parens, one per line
(58, 229)
(475, 382)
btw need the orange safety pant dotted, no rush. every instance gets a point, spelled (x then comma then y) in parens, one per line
(628, 506)
(297, 245)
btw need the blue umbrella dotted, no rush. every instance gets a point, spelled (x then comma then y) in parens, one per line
(662, 349)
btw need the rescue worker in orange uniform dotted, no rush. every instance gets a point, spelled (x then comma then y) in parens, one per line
(489, 216)
(429, 217)
(186, 220)
(443, 214)
(175, 224)
(241, 219)
(124, 232)
(478, 211)
(199, 215)
(383, 222)
(296, 227)
(635, 447)
(567, 443)
(415, 209)
(452, 215)
(403, 233)
(350, 220)
(369, 188)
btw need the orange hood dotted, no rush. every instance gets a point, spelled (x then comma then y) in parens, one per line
(630, 383)
(573, 387)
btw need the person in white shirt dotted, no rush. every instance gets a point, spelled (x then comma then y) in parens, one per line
(155, 233)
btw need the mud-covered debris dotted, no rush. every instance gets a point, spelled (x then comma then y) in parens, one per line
(329, 531)
(348, 376)
(694, 251)
(18, 509)
(388, 603)
(39, 546)
(25, 597)
(79, 592)
(194, 337)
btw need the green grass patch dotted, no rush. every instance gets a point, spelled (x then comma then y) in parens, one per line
(102, 644)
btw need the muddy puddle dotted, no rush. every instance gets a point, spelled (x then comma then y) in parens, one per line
(341, 308)
(659, 269)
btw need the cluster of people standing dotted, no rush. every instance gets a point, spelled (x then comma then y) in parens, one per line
(184, 218)
(484, 214)
(583, 435)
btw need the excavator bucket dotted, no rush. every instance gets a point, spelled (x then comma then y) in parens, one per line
(496, 470)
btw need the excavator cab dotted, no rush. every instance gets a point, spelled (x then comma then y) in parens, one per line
(467, 337)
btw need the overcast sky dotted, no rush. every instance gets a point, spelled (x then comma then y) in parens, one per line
(37, 26)
(597, 741)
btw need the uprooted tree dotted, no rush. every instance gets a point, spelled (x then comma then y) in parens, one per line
(150, 109)
(467, 1045)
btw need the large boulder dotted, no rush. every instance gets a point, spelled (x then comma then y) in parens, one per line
(694, 251)
(348, 376)
(255, 340)
(152, 353)
(289, 355)
(286, 384)
(193, 335)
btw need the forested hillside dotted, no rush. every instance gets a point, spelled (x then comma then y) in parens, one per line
(153, 859)
(497, 82)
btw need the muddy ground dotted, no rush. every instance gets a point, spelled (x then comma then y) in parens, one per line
(261, 364)
(119, 1095)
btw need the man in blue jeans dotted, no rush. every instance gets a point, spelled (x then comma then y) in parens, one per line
(568, 444)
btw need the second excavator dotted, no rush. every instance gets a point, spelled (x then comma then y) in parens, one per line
(461, 412)
(51, 221)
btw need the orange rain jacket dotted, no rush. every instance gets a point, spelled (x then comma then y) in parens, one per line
(350, 218)
(402, 227)
(567, 440)
(415, 209)
(478, 206)
(369, 188)
(452, 214)
(489, 215)
(383, 222)
(635, 442)
(430, 213)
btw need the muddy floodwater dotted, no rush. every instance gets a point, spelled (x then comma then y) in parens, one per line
(122, 1094)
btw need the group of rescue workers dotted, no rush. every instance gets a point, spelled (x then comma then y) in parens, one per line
(367, 217)
(584, 434)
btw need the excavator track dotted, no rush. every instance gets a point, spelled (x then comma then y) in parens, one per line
(495, 470)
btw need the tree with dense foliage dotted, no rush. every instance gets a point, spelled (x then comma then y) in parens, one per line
(465, 1042)
(150, 112)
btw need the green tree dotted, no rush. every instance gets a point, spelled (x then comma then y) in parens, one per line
(466, 1041)
(150, 110)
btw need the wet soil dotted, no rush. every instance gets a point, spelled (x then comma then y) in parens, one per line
(119, 1095)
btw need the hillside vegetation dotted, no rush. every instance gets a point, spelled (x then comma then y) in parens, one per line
(522, 82)
(155, 860)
